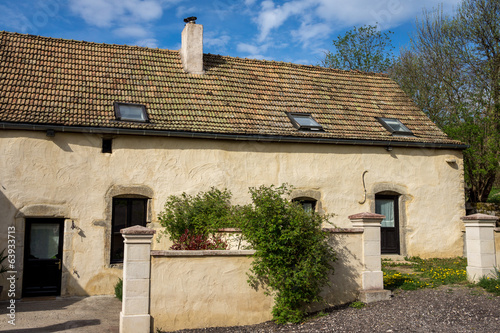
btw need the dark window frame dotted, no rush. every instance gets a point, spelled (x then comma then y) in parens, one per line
(128, 223)
(297, 125)
(107, 145)
(119, 116)
(306, 200)
(387, 126)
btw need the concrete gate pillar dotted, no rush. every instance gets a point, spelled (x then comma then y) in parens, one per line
(480, 242)
(372, 275)
(134, 317)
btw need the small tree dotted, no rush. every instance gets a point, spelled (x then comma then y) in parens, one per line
(202, 214)
(366, 49)
(292, 259)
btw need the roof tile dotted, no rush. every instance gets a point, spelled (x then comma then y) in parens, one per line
(74, 83)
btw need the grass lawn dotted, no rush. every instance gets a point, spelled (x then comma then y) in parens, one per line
(415, 273)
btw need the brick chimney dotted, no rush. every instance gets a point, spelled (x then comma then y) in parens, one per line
(192, 47)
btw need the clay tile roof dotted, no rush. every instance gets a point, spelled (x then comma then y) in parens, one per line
(75, 83)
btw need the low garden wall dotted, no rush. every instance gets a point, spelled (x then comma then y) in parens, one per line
(195, 289)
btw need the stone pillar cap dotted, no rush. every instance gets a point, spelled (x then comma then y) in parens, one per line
(479, 216)
(366, 215)
(138, 230)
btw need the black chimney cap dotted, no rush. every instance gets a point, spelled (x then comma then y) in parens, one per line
(190, 19)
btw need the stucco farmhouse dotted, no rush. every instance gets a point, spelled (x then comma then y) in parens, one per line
(95, 137)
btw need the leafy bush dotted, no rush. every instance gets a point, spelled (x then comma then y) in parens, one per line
(189, 241)
(202, 214)
(292, 259)
(119, 289)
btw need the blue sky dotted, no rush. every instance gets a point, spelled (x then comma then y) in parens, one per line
(297, 31)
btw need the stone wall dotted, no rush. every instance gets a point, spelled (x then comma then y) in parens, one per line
(68, 176)
(486, 208)
(195, 289)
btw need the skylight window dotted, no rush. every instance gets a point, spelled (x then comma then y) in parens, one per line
(304, 121)
(131, 112)
(395, 126)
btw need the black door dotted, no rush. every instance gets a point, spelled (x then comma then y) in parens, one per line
(389, 232)
(43, 257)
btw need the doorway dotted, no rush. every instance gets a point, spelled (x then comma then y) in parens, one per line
(43, 257)
(387, 205)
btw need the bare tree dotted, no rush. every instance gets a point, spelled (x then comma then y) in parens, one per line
(452, 71)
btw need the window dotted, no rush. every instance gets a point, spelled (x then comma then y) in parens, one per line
(131, 112)
(126, 213)
(308, 204)
(394, 126)
(304, 121)
(107, 146)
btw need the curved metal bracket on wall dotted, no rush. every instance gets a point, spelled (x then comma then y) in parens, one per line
(364, 187)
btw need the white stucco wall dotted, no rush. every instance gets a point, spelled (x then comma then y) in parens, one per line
(70, 173)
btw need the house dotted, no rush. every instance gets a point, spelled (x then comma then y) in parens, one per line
(95, 137)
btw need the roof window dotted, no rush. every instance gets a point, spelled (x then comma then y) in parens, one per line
(304, 121)
(131, 112)
(395, 126)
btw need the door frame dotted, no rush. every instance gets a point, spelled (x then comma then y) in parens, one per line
(27, 238)
(395, 198)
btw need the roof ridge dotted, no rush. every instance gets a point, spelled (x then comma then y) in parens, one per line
(351, 71)
(278, 62)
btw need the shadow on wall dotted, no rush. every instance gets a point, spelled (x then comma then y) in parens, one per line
(7, 214)
(345, 283)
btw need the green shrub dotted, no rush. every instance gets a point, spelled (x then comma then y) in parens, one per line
(293, 259)
(119, 289)
(201, 214)
(491, 284)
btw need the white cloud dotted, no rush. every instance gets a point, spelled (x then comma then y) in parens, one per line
(247, 48)
(15, 20)
(220, 41)
(308, 33)
(258, 57)
(107, 13)
(134, 31)
(313, 21)
(183, 11)
(387, 13)
(148, 42)
(252, 49)
(272, 17)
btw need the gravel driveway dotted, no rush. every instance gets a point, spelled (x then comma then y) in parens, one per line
(444, 309)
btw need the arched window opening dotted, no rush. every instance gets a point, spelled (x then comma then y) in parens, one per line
(309, 204)
(127, 211)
